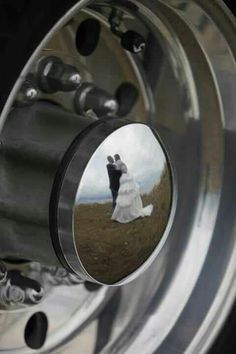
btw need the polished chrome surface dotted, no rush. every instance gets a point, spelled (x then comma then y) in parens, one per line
(68, 309)
(120, 209)
(186, 80)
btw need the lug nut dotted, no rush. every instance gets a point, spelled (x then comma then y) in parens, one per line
(54, 76)
(75, 79)
(28, 93)
(31, 93)
(17, 289)
(133, 42)
(89, 97)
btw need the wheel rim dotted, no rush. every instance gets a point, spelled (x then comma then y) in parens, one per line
(191, 285)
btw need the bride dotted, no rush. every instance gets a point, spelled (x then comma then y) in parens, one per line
(129, 204)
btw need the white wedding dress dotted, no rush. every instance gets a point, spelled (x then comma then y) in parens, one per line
(129, 206)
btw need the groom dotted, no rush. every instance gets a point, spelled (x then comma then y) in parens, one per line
(114, 178)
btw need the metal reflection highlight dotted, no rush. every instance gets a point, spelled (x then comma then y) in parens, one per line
(122, 204)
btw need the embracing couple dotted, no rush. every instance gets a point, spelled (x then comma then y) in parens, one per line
(127, 203)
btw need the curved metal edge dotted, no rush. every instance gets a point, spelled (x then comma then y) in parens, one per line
(65, 189)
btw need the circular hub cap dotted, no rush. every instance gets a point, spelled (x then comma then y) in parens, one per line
(114, 199)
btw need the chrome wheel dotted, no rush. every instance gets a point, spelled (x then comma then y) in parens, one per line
(180, 57)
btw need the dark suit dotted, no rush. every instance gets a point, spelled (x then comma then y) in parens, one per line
(114, 178)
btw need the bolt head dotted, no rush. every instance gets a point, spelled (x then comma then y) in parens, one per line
(31, 93)
(112, 106)
(75, 79)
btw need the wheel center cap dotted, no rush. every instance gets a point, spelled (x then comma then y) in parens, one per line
(113, 200)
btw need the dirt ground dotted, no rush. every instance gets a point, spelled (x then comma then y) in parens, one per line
(109, 250)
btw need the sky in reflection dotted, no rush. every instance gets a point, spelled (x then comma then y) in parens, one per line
(141, 152)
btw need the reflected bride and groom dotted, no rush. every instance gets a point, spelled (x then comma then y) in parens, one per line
(122, 204)
(127, 204)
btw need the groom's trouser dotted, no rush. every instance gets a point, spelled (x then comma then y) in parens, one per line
(114, 197)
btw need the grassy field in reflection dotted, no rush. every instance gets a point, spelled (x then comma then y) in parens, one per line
(109, 250)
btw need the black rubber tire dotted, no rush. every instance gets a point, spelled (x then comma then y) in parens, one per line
(226, 341)
(23, 25)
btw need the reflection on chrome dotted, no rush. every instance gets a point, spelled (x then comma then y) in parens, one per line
(122, 204)
(127, 202)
